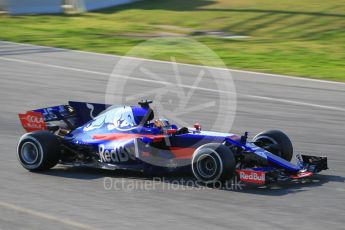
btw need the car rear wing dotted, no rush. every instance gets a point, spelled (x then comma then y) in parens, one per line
(32, 121)
(67, 117)
(51, 118)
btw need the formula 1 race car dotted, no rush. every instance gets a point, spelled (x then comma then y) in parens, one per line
(129, 138)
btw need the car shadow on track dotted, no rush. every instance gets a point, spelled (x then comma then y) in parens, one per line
(285, 188)
(279, 189)
(83, 173)
(187, 182)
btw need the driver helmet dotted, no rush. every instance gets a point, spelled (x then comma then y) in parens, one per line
(161, 123)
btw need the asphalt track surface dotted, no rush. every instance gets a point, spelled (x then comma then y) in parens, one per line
(311, 112)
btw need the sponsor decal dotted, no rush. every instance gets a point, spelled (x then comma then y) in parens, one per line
(32, 121)
(251, 176)
(114, 155)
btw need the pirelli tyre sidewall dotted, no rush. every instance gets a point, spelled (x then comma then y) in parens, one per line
(213, 163)
(38, 151)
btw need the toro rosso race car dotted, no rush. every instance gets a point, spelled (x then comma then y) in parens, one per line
(130, 138)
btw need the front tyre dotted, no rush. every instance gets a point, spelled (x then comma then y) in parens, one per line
(38, 151)
(213, 163)
(276, 142)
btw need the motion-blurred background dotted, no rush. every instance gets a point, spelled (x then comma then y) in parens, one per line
(302, 38)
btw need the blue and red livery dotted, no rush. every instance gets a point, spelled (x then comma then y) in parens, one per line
(130, 138)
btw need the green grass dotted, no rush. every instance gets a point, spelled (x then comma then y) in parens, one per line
(302, 38)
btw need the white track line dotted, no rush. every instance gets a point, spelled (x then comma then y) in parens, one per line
(184, 86)
(54, 66)
(261, 74)
(297, 103)
(77, 69)
(60, 220)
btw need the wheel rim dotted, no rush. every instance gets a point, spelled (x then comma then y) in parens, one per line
(206, 166)
(29, 153)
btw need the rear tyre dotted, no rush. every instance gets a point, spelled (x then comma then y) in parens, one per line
(38, 151)
(276, 142)
(213, 163)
